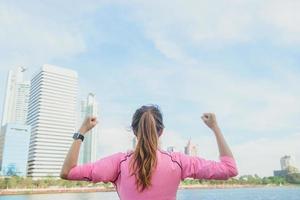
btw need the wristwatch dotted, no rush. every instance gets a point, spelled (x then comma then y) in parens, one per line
(77, 136)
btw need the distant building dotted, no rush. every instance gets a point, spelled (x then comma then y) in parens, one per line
(281, 173)
(171, 149)
(191, 149)
(14, 134)
(52, 116)
(16, 97)
(287, 166)
(188, 148)
(88, 152)
(286, 161)
(194, 151)
(14, 149)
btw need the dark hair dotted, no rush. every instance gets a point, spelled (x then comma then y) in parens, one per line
(147, 126)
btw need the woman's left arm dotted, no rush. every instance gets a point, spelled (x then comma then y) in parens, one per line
(72, 156)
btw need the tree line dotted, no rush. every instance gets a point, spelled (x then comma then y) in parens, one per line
(16, 182)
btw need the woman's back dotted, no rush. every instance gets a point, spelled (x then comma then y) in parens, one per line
(170, 170)
(164, 181)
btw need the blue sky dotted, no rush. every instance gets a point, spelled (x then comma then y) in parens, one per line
(238, 59)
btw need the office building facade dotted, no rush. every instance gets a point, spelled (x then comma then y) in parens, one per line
(16, 97)
(88, 151)
(14, 147)
(52, 116)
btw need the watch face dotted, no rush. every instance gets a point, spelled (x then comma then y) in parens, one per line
(75, 136)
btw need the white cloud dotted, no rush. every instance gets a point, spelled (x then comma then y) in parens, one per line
(112, 140)
(284, 16)
(253, 104)
(31, 38)
(258, 105)
(177, 27)
(171, 50)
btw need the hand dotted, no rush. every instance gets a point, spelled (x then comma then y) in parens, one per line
(210, 120)
(87, 124)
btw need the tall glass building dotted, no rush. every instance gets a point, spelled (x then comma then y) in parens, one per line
(16, 97)
(52, 116)
(14, 147)
(88, 151)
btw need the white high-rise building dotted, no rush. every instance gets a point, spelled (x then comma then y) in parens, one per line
(287, 161)
(16, 97)
(88, 151)
(52, 116)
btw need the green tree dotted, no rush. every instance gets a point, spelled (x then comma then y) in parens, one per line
(293, 178)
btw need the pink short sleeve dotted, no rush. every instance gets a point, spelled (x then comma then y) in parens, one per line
(104, 170)
(199, 168)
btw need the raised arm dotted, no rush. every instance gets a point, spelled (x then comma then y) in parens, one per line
(72, 156)
(200, 168)
(210, 120)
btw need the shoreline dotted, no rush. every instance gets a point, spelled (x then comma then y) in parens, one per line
(57, 190)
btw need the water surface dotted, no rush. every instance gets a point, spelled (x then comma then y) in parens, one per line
(188, 194)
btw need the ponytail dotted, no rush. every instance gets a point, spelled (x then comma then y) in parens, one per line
(144, 158)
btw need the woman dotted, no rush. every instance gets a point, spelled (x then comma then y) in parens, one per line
(149, 172)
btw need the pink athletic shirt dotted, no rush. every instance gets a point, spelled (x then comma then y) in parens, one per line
(171, 169)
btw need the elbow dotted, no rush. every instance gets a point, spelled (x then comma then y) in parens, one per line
(63, 175)
(229, 173)
(233, 172)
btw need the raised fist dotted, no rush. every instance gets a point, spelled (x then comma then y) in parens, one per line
(210, 120)
(87, 124)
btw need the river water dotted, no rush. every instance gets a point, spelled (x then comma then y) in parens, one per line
(188, 194)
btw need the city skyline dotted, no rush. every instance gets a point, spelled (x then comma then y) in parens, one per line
(14, 160)
(238, 59)
(89, 107)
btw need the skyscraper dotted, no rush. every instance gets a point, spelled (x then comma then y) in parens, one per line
(14, 134)
(52, 116)
(16, 97)
(287, 164)
(190, 149)
(88, 151)
(286, 161)
(14, 149)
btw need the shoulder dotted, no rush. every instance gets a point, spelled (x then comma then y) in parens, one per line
(121, 155)
(125, 156)
(115, 158)
(173, 156)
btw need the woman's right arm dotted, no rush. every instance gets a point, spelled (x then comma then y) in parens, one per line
(73, 153)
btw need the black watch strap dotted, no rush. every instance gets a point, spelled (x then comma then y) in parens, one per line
(77, 136)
